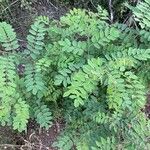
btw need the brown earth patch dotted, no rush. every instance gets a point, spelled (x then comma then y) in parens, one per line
(35, 138)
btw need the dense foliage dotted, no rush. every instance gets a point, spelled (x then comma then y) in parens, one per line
(95, 73)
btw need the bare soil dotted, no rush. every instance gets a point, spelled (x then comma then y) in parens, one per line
(22, 18)
(35, 138)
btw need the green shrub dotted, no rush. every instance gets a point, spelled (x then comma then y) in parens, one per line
(101, 66)
(91, 70)
(21, 95)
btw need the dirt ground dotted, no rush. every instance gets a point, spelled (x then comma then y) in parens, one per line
(21, 19)
(34, 139)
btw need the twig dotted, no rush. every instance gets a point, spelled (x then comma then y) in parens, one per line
(52, 5)
(111, 11)
(57, 126)
(9, 6)
(93, 4)
(32, 145)
(9, 145)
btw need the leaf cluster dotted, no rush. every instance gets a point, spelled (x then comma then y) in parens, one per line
(90, 71)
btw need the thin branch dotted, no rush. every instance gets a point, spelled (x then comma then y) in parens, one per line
(111, 11)
(52, 4)
(93, 4)
(9, 6)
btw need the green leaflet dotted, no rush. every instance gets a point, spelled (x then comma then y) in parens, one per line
(21, 117)
(43, 116)
(64, 142)
(34, 81)
(36, 36)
